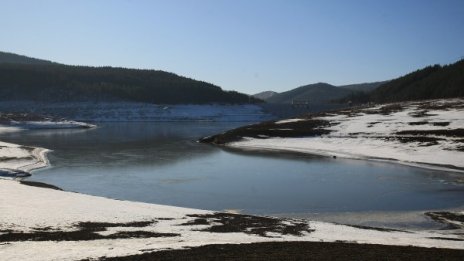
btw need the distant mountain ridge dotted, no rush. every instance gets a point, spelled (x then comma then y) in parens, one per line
(431, 82)
(317, 93)
(264, 95)
(25, 78)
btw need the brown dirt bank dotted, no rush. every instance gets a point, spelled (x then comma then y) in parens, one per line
(307, 128)
(299, 251)
(39, 184)
(230, 223)
(452, 220)
(85, 231)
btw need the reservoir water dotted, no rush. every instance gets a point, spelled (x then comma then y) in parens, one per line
(162, 163)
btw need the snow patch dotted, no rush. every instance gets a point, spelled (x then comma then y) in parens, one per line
(288, 121)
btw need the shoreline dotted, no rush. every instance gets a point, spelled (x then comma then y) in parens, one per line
(42, 160)
(22, 160)
(331, 154)
(427, 134)
(42, 220)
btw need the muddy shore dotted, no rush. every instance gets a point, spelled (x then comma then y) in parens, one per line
(298, 251)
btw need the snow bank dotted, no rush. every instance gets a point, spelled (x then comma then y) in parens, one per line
(24, 208)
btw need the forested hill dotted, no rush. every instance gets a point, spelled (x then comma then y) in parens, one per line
(15, 58)
(264, 95)
(48, 82)
(318, 92)
(363, 87)
(432, 82)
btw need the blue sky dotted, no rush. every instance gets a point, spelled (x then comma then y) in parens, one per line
(244, 45)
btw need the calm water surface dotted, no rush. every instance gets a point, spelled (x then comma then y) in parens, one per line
(162, 163)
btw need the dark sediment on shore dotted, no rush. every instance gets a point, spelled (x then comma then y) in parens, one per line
(453, 220)
(39, 184)
(13, 173)
(306, 128)
(85, 231)
(298, 251)
(312, 125)
(257, 225)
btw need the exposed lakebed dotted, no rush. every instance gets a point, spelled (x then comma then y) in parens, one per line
(162, 163)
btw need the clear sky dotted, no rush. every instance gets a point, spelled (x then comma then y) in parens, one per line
(244, 45)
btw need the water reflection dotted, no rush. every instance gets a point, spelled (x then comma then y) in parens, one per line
(121, 144)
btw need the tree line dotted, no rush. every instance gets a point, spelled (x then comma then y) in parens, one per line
(57, 82)
(431, 82)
